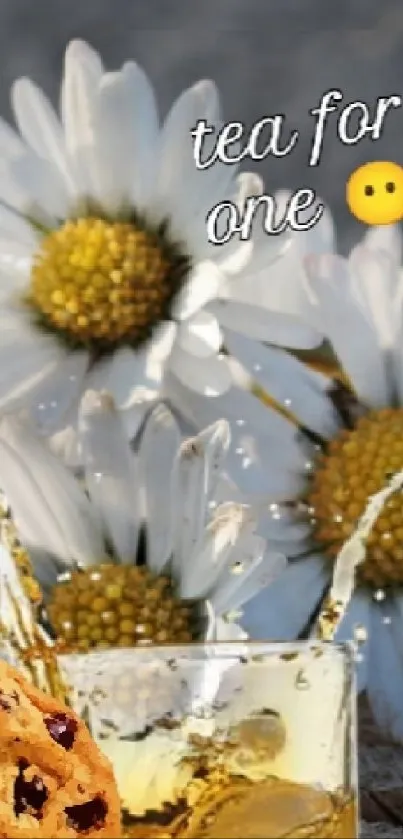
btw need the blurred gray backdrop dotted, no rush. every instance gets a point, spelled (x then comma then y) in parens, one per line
(267, 56)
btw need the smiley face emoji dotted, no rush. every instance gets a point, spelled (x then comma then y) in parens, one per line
(374, 193)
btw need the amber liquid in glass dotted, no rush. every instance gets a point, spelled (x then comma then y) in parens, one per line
(234, 807)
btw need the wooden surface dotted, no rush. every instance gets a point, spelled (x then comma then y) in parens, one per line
(381, 781)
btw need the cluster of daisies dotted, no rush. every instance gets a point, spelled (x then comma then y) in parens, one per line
(174, 470)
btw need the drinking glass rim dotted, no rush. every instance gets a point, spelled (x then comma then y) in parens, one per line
(224, 649)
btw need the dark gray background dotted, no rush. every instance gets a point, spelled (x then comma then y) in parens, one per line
(267, 57)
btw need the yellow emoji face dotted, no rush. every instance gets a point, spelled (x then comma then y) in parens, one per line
(374, 193)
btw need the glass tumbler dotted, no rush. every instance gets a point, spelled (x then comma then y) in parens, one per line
(222, 740)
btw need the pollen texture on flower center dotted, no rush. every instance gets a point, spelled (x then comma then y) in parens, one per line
(357, 464)
(100, 283)
(118, 606)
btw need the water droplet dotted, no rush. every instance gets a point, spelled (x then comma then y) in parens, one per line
(360, 634)
(273, 508)
(95, 576)
(239, 450)
(240, 422)
(288, 403)
(64, 578)
(379, 595)
(301, 681)
(387, 620)
(53, 403)
(257, 368)
(237, 568)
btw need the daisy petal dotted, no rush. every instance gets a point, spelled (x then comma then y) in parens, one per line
(387, 238)
(294, 386)
(260, 576)
(353, 337)
(283, 610)
(262, 324)
(234, 255)
(282, 284)
(32, 186)
(358, 615)
(385, 669)
(133, 417)
(209, 376)
(127, 162)
(40, 127)
(181, 186)
(320, 238)
(256, 430)
(283, 531)
(54, 514)
(65, 444)
(248, 572)
(159, 446)
(201, 286)
(10, 142)
(82, 76)
(163, 338)
(54, 398)
(214, 550)
(374, 282)
(196, 471)
(110, 472)
(13, 227)
(15, 266)
(26, 365)
(200, 335)
(127, 373)
(39, 530)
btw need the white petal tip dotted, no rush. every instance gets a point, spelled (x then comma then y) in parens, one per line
(76, 45)
(205, 88)
(252, 181)
(222, 432)
(97, 401)
(19, 84)
(162, 416)
(77, 50)
(235, 514)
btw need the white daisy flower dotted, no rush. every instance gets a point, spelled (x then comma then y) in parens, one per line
(107, 275)
(198, 562)
(350, 445)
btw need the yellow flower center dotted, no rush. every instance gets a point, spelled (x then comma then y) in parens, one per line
(356, 465)
(99, 283)
(118, 606)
